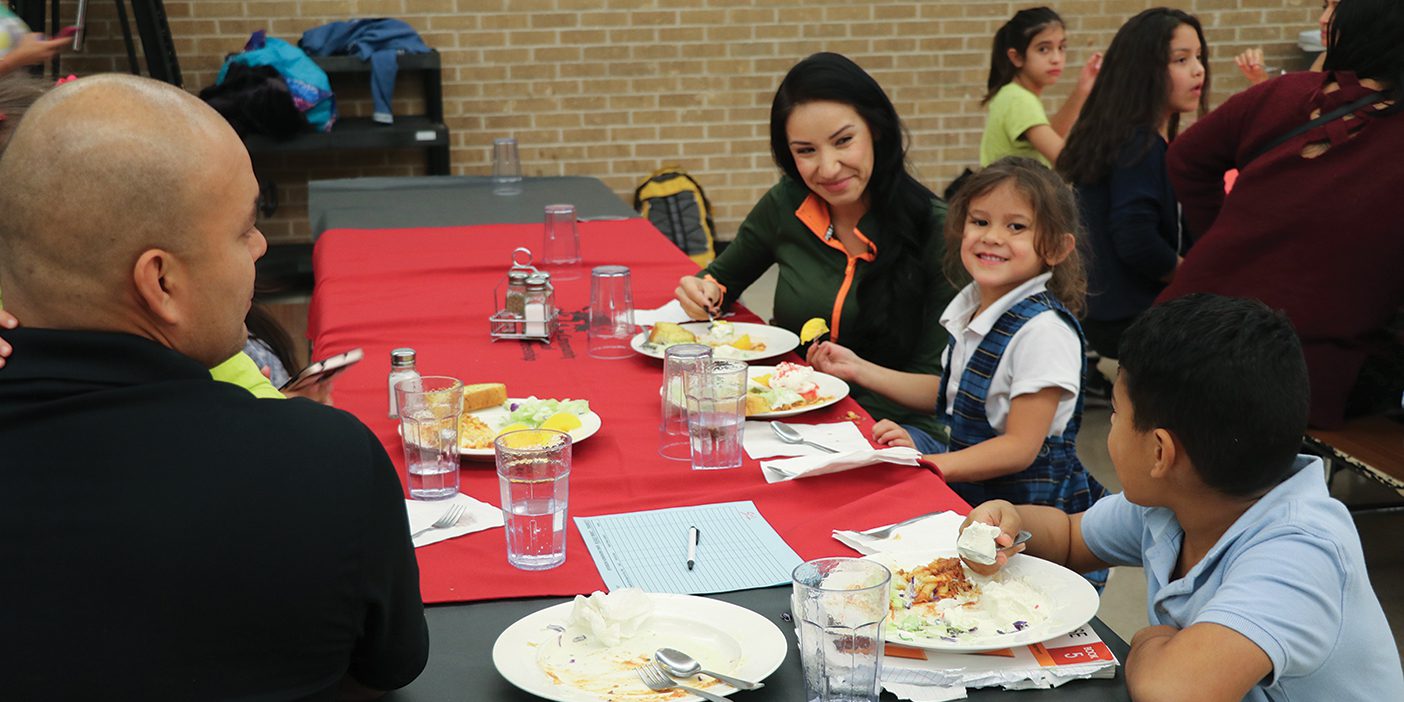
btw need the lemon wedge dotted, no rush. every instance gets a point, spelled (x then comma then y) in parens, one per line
(515, 426)
(562, 421)
(813, 329)
(744, 343)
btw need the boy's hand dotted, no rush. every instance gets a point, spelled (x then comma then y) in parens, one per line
(1001, 514)
(890, 433)
(7, 321)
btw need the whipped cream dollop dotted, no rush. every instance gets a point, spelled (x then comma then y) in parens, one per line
(977, 542)
(609, 618)
(793, 377)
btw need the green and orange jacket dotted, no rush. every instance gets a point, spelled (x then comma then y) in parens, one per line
(818, 278)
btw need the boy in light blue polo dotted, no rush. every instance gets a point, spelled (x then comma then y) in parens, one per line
(1256, 582)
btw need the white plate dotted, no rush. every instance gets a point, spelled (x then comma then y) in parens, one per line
(1073, 601)
(496, 418)
(706, 629)
(778, 341)
(833, 388)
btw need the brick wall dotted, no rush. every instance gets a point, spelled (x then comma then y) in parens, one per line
(616, 88)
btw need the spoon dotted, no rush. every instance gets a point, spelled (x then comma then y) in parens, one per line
(791, 435)
(974, 557)
(681, 665)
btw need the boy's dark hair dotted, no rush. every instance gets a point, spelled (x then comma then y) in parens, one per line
(1226, 376)
(1132, 92)
(1015, 34)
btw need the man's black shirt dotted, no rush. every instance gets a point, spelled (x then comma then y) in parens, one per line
(167, 536)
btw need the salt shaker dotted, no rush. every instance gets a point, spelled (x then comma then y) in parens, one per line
(401, 368)
(538, 306)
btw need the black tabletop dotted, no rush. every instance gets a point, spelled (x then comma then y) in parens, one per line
(447, 201)
(461, 639)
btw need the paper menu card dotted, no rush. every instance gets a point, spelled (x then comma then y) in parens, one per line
(737, 549)
(1080, 653)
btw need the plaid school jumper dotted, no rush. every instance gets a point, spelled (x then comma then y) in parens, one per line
(1056, 477)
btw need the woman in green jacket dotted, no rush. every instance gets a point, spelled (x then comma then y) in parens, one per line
(857, 239)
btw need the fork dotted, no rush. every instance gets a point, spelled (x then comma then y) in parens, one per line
(887, 530)
(449, 519)
(656, 679)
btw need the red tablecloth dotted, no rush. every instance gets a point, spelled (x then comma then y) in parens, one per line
(432, 289)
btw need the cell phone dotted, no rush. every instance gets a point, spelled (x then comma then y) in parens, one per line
(322, 370)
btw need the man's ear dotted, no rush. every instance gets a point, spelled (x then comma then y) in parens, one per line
(1065, 248)
(1015, 57)
(1167, 452)
(153, 276)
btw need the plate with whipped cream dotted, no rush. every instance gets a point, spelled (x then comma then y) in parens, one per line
(937, 602)
(587, 650)
(732, 341)
(788, 389)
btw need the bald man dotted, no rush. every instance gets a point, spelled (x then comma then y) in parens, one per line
(163, 535)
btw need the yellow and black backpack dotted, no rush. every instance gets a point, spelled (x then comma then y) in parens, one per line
(674, 203)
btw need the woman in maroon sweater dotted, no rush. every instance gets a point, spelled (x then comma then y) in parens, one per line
(1313, 225)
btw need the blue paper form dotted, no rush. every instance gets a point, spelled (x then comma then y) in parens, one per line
(737, 549)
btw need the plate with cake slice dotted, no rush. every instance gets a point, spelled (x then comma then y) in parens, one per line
(736, 341)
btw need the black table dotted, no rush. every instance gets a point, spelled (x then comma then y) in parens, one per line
(461, 639)
(447, 201)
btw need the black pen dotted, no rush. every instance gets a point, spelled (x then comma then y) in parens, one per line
(693, 534)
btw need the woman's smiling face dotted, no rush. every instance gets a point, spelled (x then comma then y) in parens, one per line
(833, 151)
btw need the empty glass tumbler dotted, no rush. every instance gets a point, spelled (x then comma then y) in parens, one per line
(679, 362)
(611, 313)
(506, 167)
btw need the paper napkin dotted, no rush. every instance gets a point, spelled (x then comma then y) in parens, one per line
(937, 532)
(477, 517)
(760, 440)
(671, 312)
(809, 466)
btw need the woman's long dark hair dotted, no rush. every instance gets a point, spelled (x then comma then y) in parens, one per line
(265, 328)
(1015, 34)
(1132, 92)
(1366, 37)
(901, 205)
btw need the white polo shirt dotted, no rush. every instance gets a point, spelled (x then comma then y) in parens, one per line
(1044, 353)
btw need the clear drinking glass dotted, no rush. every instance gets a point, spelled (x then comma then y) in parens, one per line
(840, 611)
(506, 167)
(429, 410)
(533, 472)
(560, 246)
(716, 411)
(611, 313)
(679, 362)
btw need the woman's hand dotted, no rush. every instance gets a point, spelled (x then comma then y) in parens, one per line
(1087, 77)
(1001, 514)
(889, 433)
(699, 296)
(1250, 64)
(838, 361)
(7, 321)
(320, 391)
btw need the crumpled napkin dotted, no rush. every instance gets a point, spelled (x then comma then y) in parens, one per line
(760, 441)
(671, 312)
(477, 517)
(609, 618)
(809, 466)
(937, 532)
